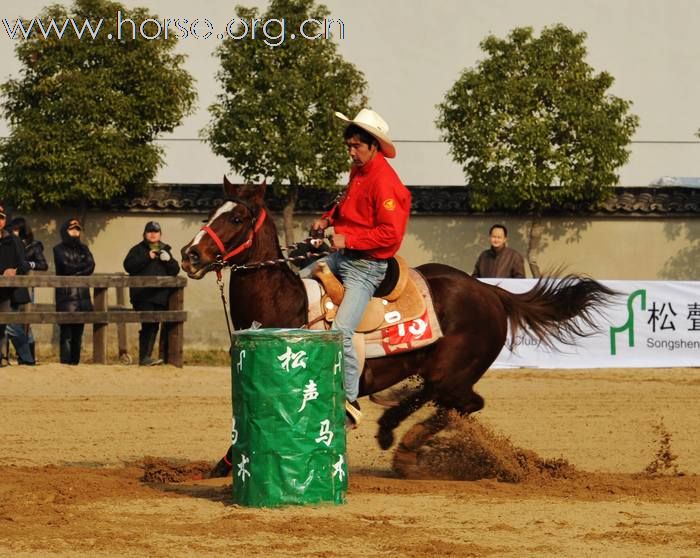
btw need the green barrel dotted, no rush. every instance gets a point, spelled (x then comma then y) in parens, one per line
(288, 431)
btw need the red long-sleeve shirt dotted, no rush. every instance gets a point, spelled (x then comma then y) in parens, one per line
(374, 211)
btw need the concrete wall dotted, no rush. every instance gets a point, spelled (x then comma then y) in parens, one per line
(606, 248)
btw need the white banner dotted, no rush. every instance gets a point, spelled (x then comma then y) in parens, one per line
(651, 324)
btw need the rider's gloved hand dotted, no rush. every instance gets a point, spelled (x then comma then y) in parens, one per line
(316, 235)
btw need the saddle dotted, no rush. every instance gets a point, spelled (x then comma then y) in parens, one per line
(399, 318)
(396, 300)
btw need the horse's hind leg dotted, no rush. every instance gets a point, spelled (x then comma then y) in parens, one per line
(455, 392)
(406, 454)
(396, 415)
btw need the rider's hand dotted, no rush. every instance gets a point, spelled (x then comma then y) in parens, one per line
(320, 224)
(153, 254)
(10, 272)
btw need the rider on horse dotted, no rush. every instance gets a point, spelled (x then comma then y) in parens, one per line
(369, 222)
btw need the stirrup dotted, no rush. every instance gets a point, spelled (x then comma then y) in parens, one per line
(353, 416)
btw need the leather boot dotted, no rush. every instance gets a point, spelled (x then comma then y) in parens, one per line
(353, 414)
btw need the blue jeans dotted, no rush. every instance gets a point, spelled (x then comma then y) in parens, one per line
(360, 278)
(22, 338)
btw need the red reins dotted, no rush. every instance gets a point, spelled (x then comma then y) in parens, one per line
(244, 245)
(257, 224)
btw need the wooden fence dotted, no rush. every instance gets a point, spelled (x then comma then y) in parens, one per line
(174, 317)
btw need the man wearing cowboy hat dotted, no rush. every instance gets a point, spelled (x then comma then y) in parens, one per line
(369, 223)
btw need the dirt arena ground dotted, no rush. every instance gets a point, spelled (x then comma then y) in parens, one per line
(74, 442)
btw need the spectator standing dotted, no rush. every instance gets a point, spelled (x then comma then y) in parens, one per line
(72, 257)
(21, 335)
(499, 260)
(12, 262)
(150, 257)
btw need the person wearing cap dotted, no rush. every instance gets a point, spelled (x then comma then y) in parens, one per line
(150, 257)
(12, 262)
(369, 222)
(21, 335)
(72, 257)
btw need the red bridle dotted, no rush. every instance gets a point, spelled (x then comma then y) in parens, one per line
(243, 246)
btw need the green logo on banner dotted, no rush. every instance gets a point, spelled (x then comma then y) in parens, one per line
(628, 326)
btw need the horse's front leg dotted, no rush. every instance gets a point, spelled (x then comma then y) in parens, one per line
(396, 415)
(406, 454)
(223, 467)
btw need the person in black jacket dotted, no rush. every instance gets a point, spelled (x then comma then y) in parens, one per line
(12, 262)
(72, 257)
(150, 257)
(21, 334)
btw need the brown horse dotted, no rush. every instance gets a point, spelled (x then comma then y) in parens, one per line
(474, 316)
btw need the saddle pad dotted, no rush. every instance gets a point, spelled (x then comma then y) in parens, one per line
(407, 335)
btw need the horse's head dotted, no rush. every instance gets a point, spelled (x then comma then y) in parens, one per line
(229, 230)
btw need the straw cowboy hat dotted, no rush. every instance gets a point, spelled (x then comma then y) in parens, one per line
(371, 122)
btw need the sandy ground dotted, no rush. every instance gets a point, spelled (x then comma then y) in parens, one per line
(73, 443)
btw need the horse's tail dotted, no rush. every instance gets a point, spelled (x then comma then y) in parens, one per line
(557, 308)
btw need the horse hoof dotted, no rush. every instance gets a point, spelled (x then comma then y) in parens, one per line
(221, 470)
(385, 438)
(405, 462)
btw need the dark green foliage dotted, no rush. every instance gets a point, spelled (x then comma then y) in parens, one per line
(274, 117)
(533, 126)
(84, 112)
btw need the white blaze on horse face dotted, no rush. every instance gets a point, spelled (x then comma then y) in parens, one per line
(228, 206)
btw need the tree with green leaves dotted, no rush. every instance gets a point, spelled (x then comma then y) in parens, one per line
(85, 112)
(535, 128)
(274, 119)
